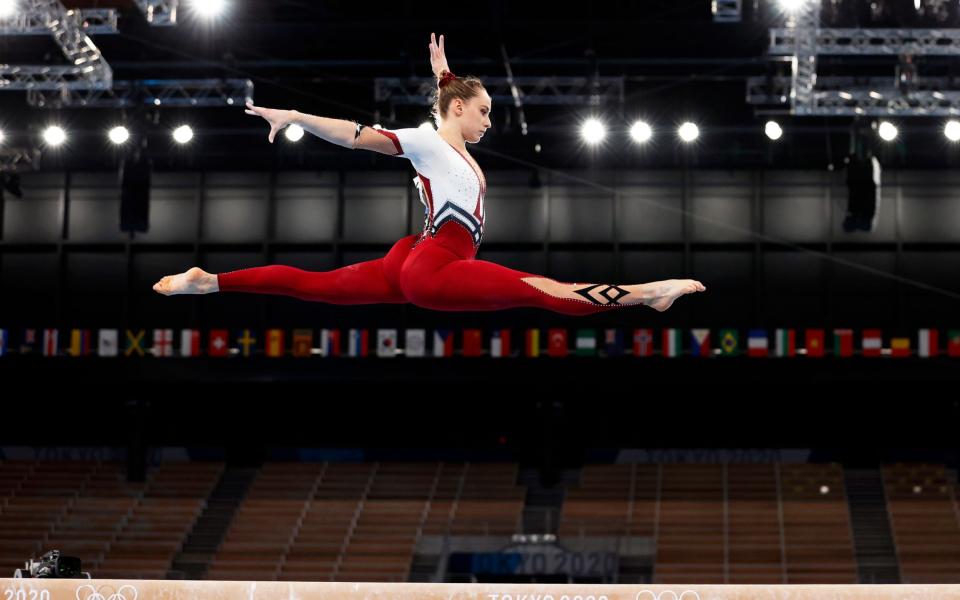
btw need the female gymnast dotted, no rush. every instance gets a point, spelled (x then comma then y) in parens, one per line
(436, 268)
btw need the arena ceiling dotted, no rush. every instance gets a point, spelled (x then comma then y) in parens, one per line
(324, 58)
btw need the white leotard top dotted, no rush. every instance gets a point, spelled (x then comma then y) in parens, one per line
(451, 189)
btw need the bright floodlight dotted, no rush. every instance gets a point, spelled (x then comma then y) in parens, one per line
(294, 133)
(824, 489)
(791, 5)
(7, 8)
(641, 132)
(208, 8)
(1, 136)
(688, 132)
(119, 135)
(952, 131)
(54, 136)
(773, 130)
(887, 131)
(183, 134)
(593, 131)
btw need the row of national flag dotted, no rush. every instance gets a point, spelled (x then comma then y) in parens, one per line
(473, 342)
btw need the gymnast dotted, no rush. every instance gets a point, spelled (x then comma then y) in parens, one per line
(435, 269)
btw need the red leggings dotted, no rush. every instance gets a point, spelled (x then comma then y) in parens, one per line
(440, 273)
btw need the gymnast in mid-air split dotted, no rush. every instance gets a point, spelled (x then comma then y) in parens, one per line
(436, 268)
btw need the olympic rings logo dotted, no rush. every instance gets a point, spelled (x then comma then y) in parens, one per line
(95, 594)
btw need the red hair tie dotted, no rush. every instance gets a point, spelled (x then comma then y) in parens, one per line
(446, 78)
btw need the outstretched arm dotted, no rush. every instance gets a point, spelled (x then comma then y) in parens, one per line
(336, 131)
(438, 57)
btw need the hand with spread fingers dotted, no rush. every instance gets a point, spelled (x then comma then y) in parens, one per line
(278, 119)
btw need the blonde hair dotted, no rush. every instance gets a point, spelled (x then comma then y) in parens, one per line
(464, 88)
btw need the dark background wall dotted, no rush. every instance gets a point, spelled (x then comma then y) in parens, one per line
(768, 244)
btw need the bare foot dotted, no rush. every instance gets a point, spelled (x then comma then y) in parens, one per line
(665, 292)
(193, 281)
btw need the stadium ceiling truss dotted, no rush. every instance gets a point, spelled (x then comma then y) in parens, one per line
(802, 93)
(86, 81)
(583, 91)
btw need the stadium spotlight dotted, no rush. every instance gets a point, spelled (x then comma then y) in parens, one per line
(119, 135)
(887, 131)
(54, 135)
(593, 131)
(952, 131)
(641, 132)
(294, 133)
(688, 132)
(183, 134)
(773, 130)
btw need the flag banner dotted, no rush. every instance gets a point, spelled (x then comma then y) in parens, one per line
(700, 342)
(843, 342)
(135, 342)
(219, 344)
(899, 347)
(387, 343)
(358, 342)
(28, 341)
(274, 346)
(302, 341)
(107, 344)
(786, 343)
(531, 343)
(472, 342)
(557, 342)
(642, 342)
(586, 342)
(928, 346)
(162, 342)
(672, 343)
(953, 342)
(50, 345)
(757, 343)
(248, 343)
(442, 342)
(729, 342)
(330, 342)
(613, 343)
(415, 342)
(500, 343)
(189, 342)
(80, 342)
(872, 343)
(815, 342)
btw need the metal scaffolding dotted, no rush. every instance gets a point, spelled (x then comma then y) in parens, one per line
(589, 91)
(86, 68)
(92, 21)
(154, 92)
(803, 41)
(162, 13)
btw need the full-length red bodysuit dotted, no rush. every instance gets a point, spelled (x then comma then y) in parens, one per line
(435, 269)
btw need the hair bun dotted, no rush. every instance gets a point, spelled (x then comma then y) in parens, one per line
(446, 78)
